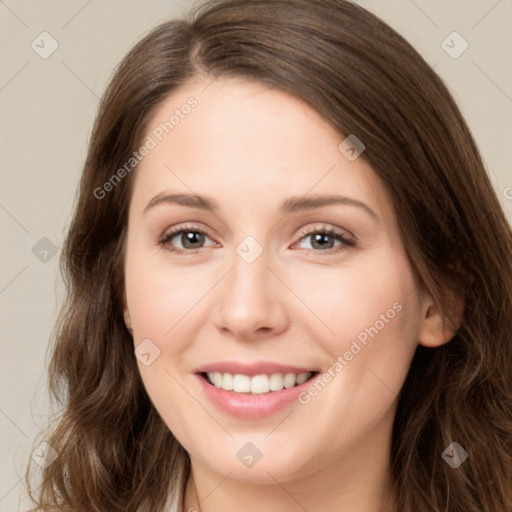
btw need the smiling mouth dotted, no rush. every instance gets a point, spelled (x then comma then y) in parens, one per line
(257, 384)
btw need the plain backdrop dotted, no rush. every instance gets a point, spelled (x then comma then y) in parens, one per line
(47, 107)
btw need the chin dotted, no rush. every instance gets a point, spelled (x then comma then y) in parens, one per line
(258, 462)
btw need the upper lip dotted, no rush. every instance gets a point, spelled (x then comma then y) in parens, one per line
(252, 369)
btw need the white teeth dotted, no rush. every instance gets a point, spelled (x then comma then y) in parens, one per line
(216, 378)
(289, 380)
(241, 383)
(227, 382)
(276, 382)
(302, 377)
(259, 384)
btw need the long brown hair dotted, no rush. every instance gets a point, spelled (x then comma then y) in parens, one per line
(114, 451)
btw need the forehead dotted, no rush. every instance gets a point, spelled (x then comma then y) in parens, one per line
(249, 144)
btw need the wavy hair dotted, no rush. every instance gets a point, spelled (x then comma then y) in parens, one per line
(115, 453)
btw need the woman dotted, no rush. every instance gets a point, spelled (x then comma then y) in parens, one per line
(338, 334)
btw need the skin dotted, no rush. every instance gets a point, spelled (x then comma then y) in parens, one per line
(250, 147)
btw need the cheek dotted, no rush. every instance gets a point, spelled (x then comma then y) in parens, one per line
(370, 322)
(354, 301)
(161, 297)
(373, 311)
(376, 323)
(162, 300)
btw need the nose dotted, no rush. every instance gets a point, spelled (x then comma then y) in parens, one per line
(252, 300)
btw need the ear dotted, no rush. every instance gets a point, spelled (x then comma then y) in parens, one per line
(436, 329)
(126, 312)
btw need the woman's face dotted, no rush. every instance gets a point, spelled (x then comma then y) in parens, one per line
(259, 293)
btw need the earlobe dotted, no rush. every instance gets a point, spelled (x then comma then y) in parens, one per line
(436, 330)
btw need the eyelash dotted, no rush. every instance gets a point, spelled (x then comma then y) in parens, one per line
(345, 242)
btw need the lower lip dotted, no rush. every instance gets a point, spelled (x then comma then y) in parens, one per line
(246, 405)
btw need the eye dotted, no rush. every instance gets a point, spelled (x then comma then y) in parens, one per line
(323, 239)
(190, 237)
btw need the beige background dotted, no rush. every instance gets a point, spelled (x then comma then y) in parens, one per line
(47, 109)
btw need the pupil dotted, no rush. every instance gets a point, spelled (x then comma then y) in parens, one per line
(318, 237)
(189, 238)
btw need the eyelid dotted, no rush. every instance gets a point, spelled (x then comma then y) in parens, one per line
(302, 233)
(346, 237)
(326, 228)
(171, 233)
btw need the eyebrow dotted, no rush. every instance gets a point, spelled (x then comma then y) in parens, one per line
(290, 205)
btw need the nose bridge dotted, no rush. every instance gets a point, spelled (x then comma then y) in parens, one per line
(249, 279)
(249, 299)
